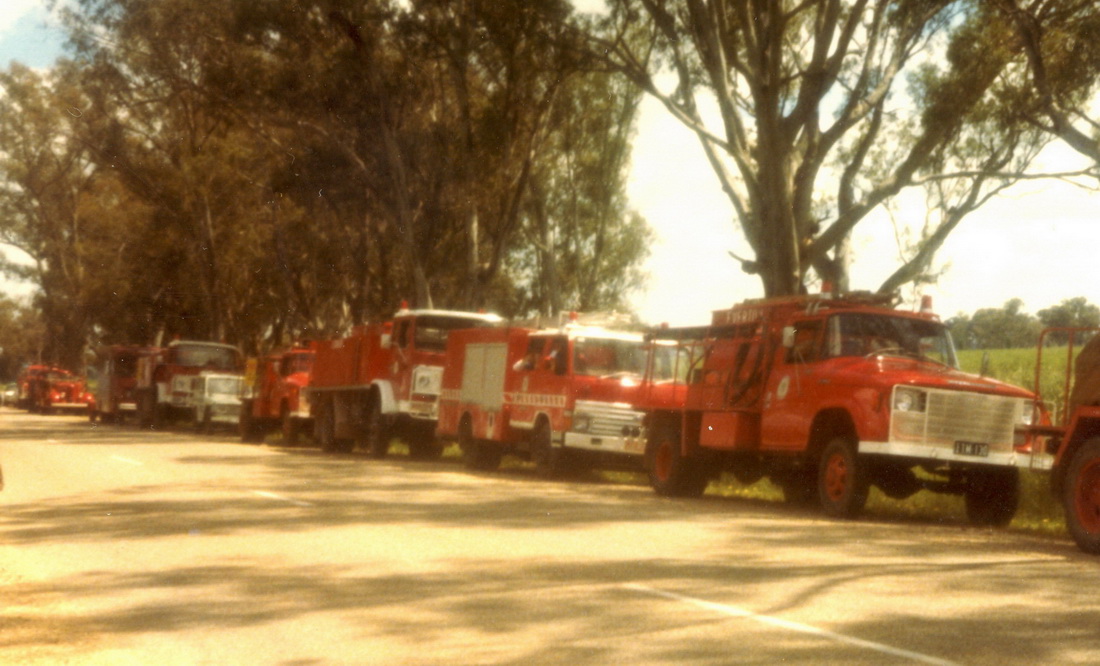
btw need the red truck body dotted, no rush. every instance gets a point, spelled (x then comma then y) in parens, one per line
(384, 380)
(276, 397)
(165, 379)
(560, 397)
(44, 388)
(114, 394)
(1073, 435)
(830, 395)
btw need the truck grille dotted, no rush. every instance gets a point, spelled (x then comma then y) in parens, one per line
(609, 419)
(948, 417)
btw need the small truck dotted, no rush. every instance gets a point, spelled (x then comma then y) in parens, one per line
(165, 388)
(829, 394)
(562, 397)
(383, 380)
(217, 400)
(274, 395)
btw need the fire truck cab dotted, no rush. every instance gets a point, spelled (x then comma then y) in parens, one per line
(165, 388)
(559, 397)
(274, 396)
(384, 380)
(828, 395)
(43, 389)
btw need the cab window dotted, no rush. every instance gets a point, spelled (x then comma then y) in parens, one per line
(806, 347)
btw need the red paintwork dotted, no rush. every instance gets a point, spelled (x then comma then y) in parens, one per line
(119, 379)
(772, 403)
(280, 380)
(43, 387)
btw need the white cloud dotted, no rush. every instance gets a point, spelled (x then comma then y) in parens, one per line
(13, 10)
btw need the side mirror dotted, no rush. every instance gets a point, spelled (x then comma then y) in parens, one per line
(788, 337)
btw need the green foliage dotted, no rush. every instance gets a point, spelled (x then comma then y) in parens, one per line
(256, 171)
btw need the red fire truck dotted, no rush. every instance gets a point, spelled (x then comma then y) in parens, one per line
(166, 388)
(828, 395)
(1074, 436)
(114, 394)
(560, 397)
(274, 396)
(384, 380)
(43, 389)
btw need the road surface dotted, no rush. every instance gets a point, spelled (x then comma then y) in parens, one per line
(120, 546)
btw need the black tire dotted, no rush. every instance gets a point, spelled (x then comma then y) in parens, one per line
(992, 496)
(289, 425)
(422, 442)
(842, 479)
(251, 429)
(206, 423)
(799, 486)
(671, 474)
(477, 455)
(375, 437)
(325, 425)
(1081, 496)
(549, 460)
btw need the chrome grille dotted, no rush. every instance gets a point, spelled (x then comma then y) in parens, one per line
(958, 416)
(607, 419)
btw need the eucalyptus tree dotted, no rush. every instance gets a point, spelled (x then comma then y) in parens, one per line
(814, 113)
(46, 205)
(1060, 41)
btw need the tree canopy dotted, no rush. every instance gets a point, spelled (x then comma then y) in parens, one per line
(254, 172)
(814, 113)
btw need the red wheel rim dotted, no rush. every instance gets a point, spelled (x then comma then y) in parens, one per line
(1086, 496)
(836, 477)
(662, 461)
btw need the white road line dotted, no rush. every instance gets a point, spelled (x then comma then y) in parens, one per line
(128, 461)
(281, 498)
(733, 611)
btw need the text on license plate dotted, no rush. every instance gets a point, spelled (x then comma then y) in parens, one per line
(977, 449)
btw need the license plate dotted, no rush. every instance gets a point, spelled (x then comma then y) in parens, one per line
(976, 449)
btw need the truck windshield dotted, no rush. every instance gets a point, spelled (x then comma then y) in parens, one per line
(874, 334)
(431, 331)
(204, 356)
(602, 357)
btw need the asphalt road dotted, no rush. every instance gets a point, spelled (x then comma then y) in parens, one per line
(119, 546)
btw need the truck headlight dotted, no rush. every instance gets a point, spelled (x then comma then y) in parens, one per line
(909, 400)
(582, 422)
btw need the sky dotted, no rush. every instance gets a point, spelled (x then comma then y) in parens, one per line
(1037, 241)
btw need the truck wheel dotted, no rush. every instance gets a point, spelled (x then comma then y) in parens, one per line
(549, 460)
(799, 487)
(376, 436)
(992, 496)
(325, 427)
(842, 483)
(1081, 496)
(289, 426)
(477, 455)
(422, 442)
(671, 473)
(206, 424)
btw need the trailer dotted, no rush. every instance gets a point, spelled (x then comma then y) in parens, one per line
(115, 397)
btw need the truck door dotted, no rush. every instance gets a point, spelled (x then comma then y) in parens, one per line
(794, 389)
